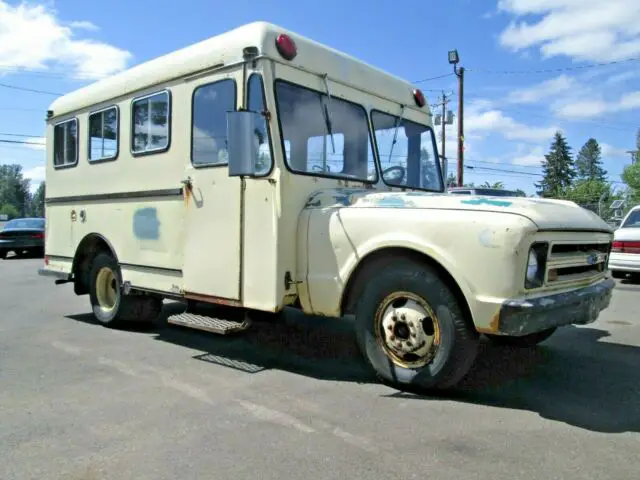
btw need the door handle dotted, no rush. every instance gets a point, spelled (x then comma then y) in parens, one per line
(187, 182)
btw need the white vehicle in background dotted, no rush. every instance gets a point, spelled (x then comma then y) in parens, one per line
(625, 250)
(259, 169)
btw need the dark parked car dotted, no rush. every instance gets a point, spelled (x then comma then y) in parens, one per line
(22, 235)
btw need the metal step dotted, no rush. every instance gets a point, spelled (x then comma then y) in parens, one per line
(209, 324)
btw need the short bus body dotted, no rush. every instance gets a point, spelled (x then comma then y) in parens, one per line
(259, 169)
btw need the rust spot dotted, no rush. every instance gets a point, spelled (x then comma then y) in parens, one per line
(187, 194)
(495, 322)
(210, 299)
(494, 325)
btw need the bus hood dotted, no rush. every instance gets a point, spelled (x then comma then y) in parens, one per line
(547, 214)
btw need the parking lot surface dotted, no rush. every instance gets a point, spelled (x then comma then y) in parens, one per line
(295, 401)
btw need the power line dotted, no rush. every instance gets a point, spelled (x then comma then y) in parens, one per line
(29, 90)
(532, 174)
(19, 135)
(434, 78)
(22, 142)
(552, 70)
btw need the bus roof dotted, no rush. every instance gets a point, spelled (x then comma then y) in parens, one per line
(227, 48)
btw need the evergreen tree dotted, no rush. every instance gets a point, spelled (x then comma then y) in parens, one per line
(37, 202)
(558, 169)
(452, 181)
(589, 162)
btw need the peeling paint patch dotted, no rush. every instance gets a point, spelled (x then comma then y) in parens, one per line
(389, 201)
(487, 201)
(487, 239)
(146, 225)
(334, 197)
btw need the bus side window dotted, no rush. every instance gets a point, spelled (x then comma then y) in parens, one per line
(211, 102)
(256, 104)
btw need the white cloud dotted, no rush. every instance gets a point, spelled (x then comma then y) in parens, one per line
(84, 25)
(531, 157)
(31, 36)
(495, 121)
(597, 30)
(591, 108)
(609, 151)
(544, 90)
(40, 141)
(36, 175)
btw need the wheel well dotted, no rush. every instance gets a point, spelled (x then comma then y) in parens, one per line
(89, 248)
(379, 259)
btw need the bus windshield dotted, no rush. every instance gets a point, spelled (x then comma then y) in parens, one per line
(412, 161)
(322, 136)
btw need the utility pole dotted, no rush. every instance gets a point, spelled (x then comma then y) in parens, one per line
(445, 118)
(634, 155)
(454, 59)
(444, 137)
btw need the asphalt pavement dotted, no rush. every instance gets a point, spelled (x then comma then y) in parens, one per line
(294, 400)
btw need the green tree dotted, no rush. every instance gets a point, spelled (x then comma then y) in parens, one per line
(9, 210)
(589, 162)
(492, 185)
(593, 195)
(631, 176)
(452, 181)
(558, 169)
(520, 192)
(37, 201)
(637, 155)
(14, 188)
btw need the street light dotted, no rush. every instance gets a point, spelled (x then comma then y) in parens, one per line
(454, 59)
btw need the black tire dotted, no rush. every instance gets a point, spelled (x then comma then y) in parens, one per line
(3, 254)
(124, 308)
(525, 341)
(458, 344)
(618, 274)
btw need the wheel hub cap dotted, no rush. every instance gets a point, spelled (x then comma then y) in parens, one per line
(409, 330)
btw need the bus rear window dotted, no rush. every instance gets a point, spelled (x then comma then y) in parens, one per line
(65, 143)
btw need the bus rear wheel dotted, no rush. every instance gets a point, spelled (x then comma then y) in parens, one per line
(111, 307)
(412, 330)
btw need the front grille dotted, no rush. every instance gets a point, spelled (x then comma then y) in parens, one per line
(579, 247)
(576, 262)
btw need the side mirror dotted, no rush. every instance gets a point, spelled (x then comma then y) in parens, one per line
(243, 142)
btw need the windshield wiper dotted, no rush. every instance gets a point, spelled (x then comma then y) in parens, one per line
(395, 133)
(326, 112)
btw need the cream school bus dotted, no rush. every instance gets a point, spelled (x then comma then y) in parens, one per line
(259, 169)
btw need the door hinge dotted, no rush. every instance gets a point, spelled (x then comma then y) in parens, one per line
(288, 281)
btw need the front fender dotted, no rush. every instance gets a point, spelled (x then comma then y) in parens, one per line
(481, 251)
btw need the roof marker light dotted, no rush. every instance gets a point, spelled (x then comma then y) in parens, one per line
(286, 46)
(419, 98)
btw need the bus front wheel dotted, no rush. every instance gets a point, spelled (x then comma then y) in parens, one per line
(412, 330)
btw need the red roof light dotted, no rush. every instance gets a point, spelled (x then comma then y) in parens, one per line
(286, 47)
(419, 98)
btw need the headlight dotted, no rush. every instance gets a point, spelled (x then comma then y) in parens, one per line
(536, 265)
(532, 266)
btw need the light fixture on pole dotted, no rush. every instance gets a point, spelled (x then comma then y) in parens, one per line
(454, 59)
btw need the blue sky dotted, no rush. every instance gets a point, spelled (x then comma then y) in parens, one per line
(509, 118)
